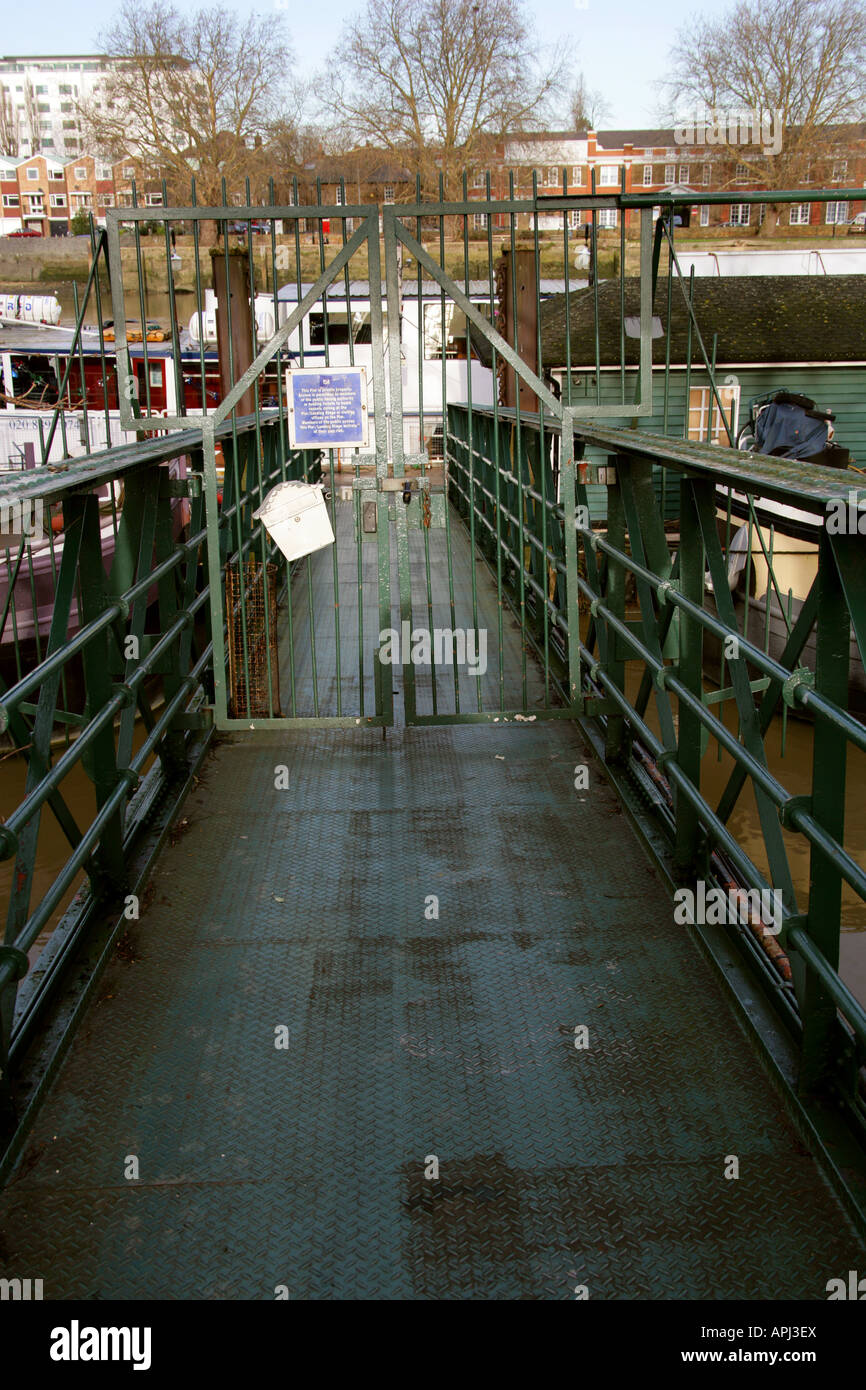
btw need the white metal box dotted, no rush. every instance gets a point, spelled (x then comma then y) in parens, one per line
(295, 515)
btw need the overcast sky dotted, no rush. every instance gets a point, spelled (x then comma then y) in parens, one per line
(622, 45)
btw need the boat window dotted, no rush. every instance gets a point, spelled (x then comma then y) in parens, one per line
(339, 328)
(455, 331)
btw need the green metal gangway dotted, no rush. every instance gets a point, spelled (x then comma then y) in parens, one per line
(365, 979)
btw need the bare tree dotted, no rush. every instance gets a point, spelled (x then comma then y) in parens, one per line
(796, 68)
(190, 95)
(587, 107)
(9, 136)
(31, 118)
(435, 82)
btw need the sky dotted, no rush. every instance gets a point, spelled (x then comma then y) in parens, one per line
(622, 46)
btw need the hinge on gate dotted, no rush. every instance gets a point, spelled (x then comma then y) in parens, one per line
(190, 486)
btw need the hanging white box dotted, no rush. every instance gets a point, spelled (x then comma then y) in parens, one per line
(295, 515)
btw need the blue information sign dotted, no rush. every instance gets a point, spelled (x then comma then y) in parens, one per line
(327, 409)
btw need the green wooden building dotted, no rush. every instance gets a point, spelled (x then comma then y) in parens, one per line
(803, 333)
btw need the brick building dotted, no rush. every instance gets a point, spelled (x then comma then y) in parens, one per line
(43, 195)
(658, 160)
(10, 218)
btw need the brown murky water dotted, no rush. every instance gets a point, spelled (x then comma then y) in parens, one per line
(789, 749)
(158, 306)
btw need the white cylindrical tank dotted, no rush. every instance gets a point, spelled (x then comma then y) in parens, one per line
(32, 308)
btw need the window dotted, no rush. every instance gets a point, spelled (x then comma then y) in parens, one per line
(388, 193)
(33, 174)
(43, 107)
(342, 328)
(55, 173)
(741, 173)
(647, 173)
(477, 180)
(65, 90)
(551, 176)
(11, 200)
(58, 200)
(68, 125)
(128, 171)
(339, 196)
(739, 215)
(154, 200)
(81, 171)
(574, 218)
(81, 200)
(705, 216)
(107, 200)
(607, 217)
(454, 335)
(479, 221)
(800, 214)
(578, 175)
(701, 398)
(670, 173)
(66, 107)
(41, 91)
(103, 171)
(706, 175)
(840, 169)
(836, 214)
(608, 175)
(684, 173)
(36, 202)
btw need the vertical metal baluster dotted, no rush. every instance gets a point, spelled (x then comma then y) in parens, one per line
(497, 466)
(425, 531)
(472, 556)
(445, 439)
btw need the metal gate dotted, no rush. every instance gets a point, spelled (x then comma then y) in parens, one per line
(451, 587)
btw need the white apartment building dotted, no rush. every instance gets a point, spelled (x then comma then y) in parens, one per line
(41, 96)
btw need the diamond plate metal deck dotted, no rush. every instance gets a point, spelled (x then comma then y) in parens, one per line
(409, 1038)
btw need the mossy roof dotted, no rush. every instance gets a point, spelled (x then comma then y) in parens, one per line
(758, 318)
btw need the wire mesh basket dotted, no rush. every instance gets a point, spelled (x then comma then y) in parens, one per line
(251, 609)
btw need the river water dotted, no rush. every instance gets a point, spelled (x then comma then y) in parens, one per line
(793, 768)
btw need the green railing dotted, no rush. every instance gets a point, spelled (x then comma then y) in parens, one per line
(642, 664)
(110, 709)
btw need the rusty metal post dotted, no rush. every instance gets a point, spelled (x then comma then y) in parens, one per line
(234, 321)
(521, 306)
